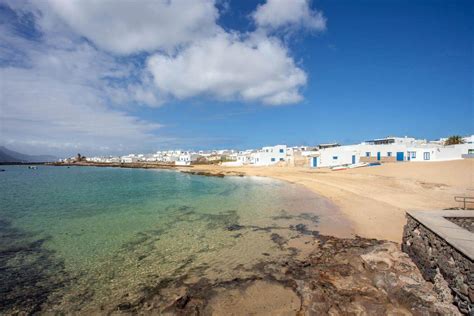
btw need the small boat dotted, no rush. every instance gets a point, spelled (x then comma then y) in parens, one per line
(338, 168)
(358, 165)
(2, 170)
(32, 167)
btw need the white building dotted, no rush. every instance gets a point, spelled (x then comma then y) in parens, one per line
(185, 158)
(390, 149)
(128, 159)
(269, 155)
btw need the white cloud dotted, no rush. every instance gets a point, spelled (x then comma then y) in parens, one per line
(126, 27)
(228, 67)
(58, 101)
(276, 14)
(59, 90)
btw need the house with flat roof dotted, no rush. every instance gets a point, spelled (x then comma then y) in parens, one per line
(389, 149)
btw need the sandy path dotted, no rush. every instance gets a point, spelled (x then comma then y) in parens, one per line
(375, 198)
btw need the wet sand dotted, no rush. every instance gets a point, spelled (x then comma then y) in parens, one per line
(375, 199)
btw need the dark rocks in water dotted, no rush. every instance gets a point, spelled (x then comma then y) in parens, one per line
(124, 306)
(30, 274)
(279, 240)
(234, 227)
(205, 173)
(341, 277)
(302, 229)
(182, 301)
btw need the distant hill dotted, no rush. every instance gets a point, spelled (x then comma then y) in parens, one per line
(7, 155)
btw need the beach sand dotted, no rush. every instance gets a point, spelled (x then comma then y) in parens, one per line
(375, 199)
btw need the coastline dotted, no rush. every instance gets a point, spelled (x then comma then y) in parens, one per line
(373, 199)
(328, 274)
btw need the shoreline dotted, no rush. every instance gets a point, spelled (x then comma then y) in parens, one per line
(330, 275)
(373, 199)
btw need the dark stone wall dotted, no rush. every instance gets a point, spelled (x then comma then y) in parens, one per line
(434, 256)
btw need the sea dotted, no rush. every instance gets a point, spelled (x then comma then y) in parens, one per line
(95, 239)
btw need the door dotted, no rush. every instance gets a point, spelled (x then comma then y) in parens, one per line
(315, 162)
(353, 159)
(378, 155)
(400, 156)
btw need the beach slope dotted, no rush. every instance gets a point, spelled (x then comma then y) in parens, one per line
(375, 198)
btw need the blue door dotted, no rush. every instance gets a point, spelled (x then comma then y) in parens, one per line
(315, 162)
(378, 155)
(400, 156)
(353, 159)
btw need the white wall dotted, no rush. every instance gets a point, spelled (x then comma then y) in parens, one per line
(440, 153)
(269, 155)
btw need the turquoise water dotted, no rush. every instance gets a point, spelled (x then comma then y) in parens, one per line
(85, 238)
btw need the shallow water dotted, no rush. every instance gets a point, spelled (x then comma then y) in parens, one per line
(85, 238)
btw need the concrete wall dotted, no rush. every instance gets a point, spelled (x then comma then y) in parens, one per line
(435, 258)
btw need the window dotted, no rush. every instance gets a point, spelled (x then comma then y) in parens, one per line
(334, 157)
(426, 156)
(281, 159)
(413, 154)
(389, 154)
(282, 151)
(367, 154)
(273, 159)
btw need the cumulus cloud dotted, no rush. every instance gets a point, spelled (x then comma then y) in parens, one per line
(72, 71)
(227, 67)
(126, 27)
(191, 54)
(275, 14)
(54, 99)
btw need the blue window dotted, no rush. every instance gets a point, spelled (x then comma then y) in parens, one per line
(334, 157)
(367, 154)
(413, 154)
(282, 150)
(273, 159)
(426, 156)
(389, 154)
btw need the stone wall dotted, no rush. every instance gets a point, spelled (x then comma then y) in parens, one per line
(436, 258)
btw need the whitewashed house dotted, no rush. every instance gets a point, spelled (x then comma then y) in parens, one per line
(390, 149)
(128, 159)
(185, 158)
(269, 155)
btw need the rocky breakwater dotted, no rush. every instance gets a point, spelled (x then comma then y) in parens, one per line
(339, 277)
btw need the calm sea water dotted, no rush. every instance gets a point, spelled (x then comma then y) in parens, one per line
(85, 238)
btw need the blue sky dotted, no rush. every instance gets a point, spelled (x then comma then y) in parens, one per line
(248, 74)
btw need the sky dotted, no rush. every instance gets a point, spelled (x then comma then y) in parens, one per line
(117, 77)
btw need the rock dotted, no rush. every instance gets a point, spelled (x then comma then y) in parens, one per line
(234, 227)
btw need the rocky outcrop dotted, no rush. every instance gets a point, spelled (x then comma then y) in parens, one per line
(341, 277)
(219, 174)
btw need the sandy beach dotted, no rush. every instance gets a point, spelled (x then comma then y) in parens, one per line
(375, 199)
